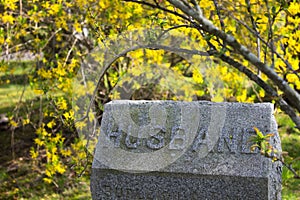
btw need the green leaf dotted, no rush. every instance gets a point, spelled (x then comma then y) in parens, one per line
(273, 10)
(259, 133)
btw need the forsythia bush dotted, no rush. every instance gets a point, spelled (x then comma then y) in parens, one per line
(62, 33)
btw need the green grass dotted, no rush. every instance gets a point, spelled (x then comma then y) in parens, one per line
(290, 142)
(14, 83)
(26, 184)
(10, 96)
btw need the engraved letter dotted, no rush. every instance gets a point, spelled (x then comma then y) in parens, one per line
(156, 141)
(229, 138)
(178, 138)
(202, 138)
(246, 144)
(128, 143)
(117, 135)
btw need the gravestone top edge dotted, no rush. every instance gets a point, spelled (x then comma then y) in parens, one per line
(193, 102)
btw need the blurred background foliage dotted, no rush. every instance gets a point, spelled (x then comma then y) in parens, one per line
(44, 43)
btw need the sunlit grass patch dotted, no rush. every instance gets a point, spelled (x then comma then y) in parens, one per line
(290, 142)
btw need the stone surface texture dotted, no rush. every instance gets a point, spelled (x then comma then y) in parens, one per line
(184, 150)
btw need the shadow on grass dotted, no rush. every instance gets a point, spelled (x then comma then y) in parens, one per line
(21, 79)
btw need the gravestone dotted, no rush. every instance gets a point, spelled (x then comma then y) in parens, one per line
(184, 150)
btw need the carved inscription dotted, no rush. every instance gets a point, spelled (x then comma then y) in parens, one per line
(234, 140)
(156, 141)
(178, 138)
(202, 138)
(228, 141)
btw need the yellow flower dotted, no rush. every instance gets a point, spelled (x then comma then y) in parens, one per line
(54, 158)
(57, 138)
(291, 78)
(34, 154)
(294, 8)
(47, 180)
(80, 125)
(55, 8)
(38, 141)
(26, 121)
(48, 173)
(13, 123)
(66, 152)
(51, 124)
(53, 149)
(45, 74)
(41, 131)
(8, 19)
(69, 115)
(38, 91)
(10, 4)
(61, 104)
(217, 98)
(77, 27)
(60, 168)
(261, 93)
(197, 76)
(242, 97)
(297, 84)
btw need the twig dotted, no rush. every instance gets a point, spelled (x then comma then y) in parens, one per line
(172, 28)
(50, 38)
(21, 7)
(18, 46)
(219, 15)
(266, 43)
(86, 163)
(197, 7)
(210, 28)
(270, 33)
(291, 169)
(270, 91)
(69, 52)
(255, 30)
(148, 46)
(159, 7)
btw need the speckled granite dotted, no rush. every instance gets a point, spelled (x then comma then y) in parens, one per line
(181, 150)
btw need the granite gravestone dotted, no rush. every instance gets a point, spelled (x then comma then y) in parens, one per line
(184, 150)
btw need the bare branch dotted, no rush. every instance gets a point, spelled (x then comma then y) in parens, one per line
(69, 52)
(289, 66)
(172, 28)
(158, 7)
(50, 38)
(270, 33)
(255, 29)
(197, 7)
(270, 91)
(219, 15)
(208, 26)
(134, 48)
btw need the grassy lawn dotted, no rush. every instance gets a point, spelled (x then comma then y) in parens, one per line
(13, 85)
(290, 141)
(20, 178)
(25, 184)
